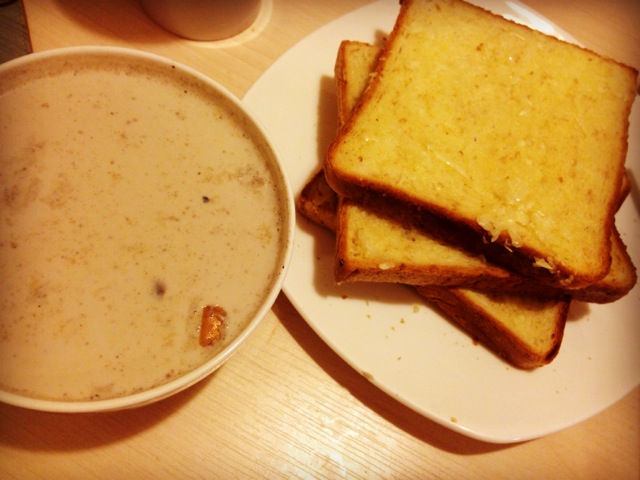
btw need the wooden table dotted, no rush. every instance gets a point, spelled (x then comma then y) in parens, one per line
(287, 406)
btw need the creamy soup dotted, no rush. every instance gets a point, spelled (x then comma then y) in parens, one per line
(131, 197)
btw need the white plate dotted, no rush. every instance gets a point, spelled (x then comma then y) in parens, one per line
(387, 332)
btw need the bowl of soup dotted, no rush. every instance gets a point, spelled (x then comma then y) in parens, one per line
(146, 225)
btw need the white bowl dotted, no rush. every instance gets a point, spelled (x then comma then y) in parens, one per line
(128, 207)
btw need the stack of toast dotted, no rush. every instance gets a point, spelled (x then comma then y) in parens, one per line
(481, 162)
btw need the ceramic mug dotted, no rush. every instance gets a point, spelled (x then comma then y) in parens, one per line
(206, 20)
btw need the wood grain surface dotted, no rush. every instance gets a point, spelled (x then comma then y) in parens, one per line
(286, 406)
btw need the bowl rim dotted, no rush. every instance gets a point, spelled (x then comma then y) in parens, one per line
(192, 377)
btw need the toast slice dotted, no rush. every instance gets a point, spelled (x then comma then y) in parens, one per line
(378, 247)
(525, 330)
(497, 131)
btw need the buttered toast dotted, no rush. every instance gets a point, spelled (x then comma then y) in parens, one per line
(498, 130)
(379, 247)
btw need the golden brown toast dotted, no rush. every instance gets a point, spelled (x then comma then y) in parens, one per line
(498, 131)
(378, 247)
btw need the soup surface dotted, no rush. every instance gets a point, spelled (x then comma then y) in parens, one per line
(131, 197)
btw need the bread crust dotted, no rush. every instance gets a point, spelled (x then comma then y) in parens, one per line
(491, 332)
